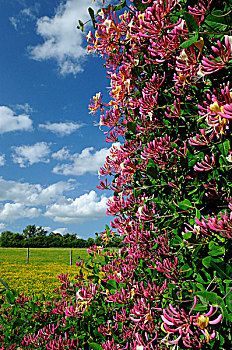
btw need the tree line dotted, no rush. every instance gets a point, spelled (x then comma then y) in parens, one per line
(36, 237)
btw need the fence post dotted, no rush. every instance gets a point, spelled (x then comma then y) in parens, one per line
(71, 257)
(27, 255)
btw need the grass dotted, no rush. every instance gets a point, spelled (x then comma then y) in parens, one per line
(39, 276)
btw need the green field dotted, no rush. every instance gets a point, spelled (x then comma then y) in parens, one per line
(39, 276)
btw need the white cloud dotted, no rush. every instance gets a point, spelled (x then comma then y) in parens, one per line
(25, 15)
(33, 194)
(61, 40)
(87, 207)
(27, 155)
(11, 122)
(47, 228)
(61, 129)
(30, 11)
(61, 230)
(2, 226)
(2, 159)
(24, 200)
(62, 154)
(24, 107)
(13, 211)
(14, 21)
(88, 160)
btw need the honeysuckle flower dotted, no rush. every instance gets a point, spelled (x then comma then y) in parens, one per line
(108, 328)
(101, 14)
(189, 327)
(229, 157)
(216, 110)
(226, 111)
(169, 268)
(110, 345)
(201, 140)
(206, 164)
(96, 103)
(143, 213)
(140, 344)
(213, 64)
(199, 10)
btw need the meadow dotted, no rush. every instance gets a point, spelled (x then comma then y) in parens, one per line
(39, 276)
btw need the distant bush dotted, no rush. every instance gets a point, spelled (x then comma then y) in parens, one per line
(33, 237)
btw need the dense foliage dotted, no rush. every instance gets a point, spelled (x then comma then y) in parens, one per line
(37, 237)
(169, 287)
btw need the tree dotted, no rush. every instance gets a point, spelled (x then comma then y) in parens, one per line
(32, 231)
(6, 238)
(90, 242)
(40, 231)
(55, 239)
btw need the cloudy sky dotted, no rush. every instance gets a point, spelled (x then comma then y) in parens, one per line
(50, 149)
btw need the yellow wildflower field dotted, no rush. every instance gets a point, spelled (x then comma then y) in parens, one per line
(39, 276)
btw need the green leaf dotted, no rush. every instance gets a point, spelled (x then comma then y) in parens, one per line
(217, 27)
(193, 29)
(153, 171)
(229, 301)
(217, 250)
(218, 16)
(198, 214)
(4, 283)
(140, 7)
(120, 5)
(81, 25)
(190, 22)
(10, 297)
(192, 162)
(221, 273)
(92, 16)
(107, 229)
(2, 291)
(186, 204)
(91, 12)
(209, 260)
(200, 279)
(187, 270)
(212, 299)
(200, 286)
(131, 126)
(187, 235)
(95, 346)
(224, 148)
(111, 284)
(190, 41)
(136, 193)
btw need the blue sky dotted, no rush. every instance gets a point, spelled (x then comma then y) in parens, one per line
(50, 149)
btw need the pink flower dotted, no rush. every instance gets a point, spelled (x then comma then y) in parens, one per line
(169, 268)
(176, 111)
(213, 64)
(206, 164)
(213, 224)
(188, 327)
(201, 140)
(226, 112)
(199, 10)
